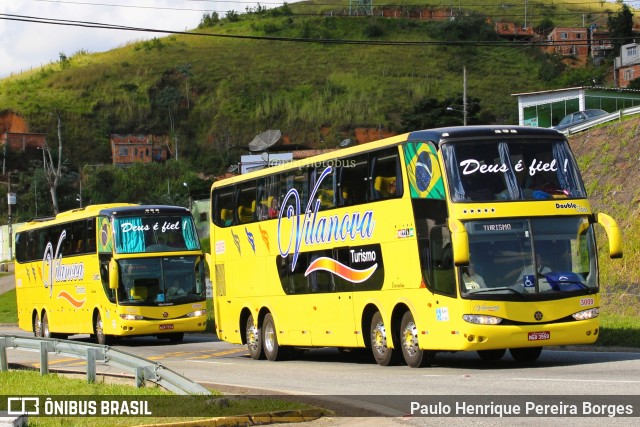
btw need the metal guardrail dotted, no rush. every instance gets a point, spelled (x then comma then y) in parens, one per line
(142, 369)
(604, 119)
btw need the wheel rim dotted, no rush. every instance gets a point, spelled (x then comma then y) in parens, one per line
(253, 339)
(379, 338)
(269, 338)
(37, 326)
(45, 327)
(99, 331)
(410, 339)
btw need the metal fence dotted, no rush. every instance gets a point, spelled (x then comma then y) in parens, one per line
(141, 368)
(618, 115)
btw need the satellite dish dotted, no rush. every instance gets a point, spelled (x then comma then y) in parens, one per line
(345, 143)
(232, 168)
(264, 140)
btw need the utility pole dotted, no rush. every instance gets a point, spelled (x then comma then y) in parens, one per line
(11, 200)
(464, 96)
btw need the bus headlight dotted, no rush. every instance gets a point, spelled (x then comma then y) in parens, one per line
(197, 313)
(131, 316)
(591, 313)
(481, 319)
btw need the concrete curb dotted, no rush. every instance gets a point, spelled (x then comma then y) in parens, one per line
(294, 416)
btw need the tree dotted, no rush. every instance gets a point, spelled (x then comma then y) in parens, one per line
(432, 113)
(621, 28)
(53, 173)
(185, 71)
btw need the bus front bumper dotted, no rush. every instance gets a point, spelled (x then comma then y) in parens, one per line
(493, 337)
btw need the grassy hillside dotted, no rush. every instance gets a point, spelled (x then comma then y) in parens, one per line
(608, 159)
(214, 93)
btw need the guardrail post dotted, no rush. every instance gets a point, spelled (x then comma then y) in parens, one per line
(3, 355)
(44, 358)
(140, 376)
(91, 365)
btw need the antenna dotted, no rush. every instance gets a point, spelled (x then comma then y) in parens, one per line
(264, 140)
(358, 7)
(345, 143)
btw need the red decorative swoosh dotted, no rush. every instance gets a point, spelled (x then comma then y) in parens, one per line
(347, 273)
(74, 302)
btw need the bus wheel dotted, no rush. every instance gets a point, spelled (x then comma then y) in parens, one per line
(37, 326)
(272, 349)
(46, 333)
(176, 337)
(529, 354)
(413, 355)
(254, 341)
(383, 354)
(101, 337)
(492, 355)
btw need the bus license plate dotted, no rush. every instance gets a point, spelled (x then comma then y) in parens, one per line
(168, 326)
(539, 336)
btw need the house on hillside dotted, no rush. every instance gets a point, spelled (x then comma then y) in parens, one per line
(511, 31)
(627, 66)
(569, 41)
(129, 149)
(17, 141)
(600, 44)
(426, 13)
(15, 134)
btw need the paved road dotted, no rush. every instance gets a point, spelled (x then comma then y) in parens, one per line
(7, 281)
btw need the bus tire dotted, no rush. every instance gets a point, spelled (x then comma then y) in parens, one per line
(527, 354)
(380, 338)
(492, 355)
(46, 332)
(98, 329)
(37, 326)
(253, 336)
(272, 349)
(413, 355)
(176, 337)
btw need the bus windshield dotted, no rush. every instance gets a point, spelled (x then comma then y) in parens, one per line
(136, 234)
(514, 170)
(161, 281)
(525, 257)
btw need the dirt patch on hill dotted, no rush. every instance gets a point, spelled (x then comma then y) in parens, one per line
(609, 159)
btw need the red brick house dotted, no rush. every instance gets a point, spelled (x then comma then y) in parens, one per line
(512, 31)
(569, 41)
(129, 149)
(21, 141)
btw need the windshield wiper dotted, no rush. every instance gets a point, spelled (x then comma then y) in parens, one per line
(501, 288)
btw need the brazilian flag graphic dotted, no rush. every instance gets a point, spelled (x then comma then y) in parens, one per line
(425, 176)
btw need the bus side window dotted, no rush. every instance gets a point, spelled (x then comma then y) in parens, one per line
(104, 277)
(223, 208)
(246, 202)
(353, 180)
(386, 177)
(442, 261)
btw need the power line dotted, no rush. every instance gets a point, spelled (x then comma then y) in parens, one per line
(476, 43)
(389, 5)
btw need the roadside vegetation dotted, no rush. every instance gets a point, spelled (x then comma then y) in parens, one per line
(19, 383)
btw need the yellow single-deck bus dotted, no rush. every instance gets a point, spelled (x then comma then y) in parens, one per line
(111, 270)
(463, 238)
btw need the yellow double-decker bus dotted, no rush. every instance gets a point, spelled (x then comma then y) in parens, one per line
(116, 270)
(463, 238)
